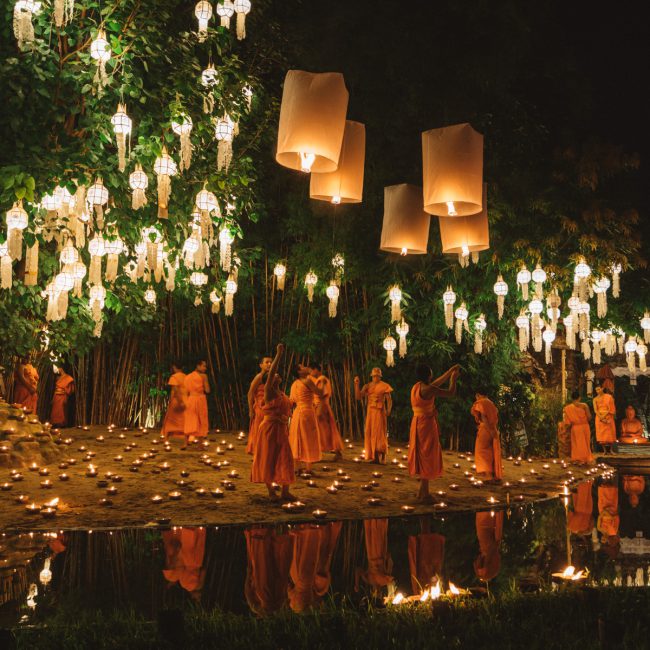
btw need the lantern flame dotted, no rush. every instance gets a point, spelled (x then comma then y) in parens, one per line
(403, 251)
(306, 161)
(336, 199)
(451, 209)
(425, 596)
(453, 589)
(53, 504)
(435, 591)
(399, 598)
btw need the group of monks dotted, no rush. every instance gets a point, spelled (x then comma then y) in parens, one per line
(576, 419)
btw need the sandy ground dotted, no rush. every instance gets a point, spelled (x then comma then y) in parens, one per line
(80, 496)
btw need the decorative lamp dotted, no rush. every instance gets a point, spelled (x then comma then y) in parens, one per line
(402, 329)
(523, 278)
(395, 297)
(226, 238)
(100, 50)
(203, 13)
(333, 294)
(17, 221)
(539, 277)
(501, 291)
(549, 337)
(242, 7)
(310, 282)
(183, 128)
(461, 322)
(122, 125)
(405, 229)
(280, 273)
(231, 290)
(480, 326)
(164, 168)
(523, 323)
(224, 132)
(138, 181)
(389, 345)
(448, 300)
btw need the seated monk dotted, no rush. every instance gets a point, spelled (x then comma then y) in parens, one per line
(632, 429)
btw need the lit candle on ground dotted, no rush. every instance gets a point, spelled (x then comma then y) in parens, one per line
(22, 498)
(367, 487)
(156, 498)
(91, 472)
(397, 479)
(311, 484)
(111, 490)
(217, 493)
(33, 467)
(118, 459)
(106, 503)
(48, 513)
(99, 438)
(441, 493)
(43, 471)
(332, 489)
(201, 492)
(319, 514)
(376, 474)
(373, 501)
(492, 500)
(63, 465)
(175, 495)
(5, 487)
(116, 478)
(102, 483)
(32, 509)
(441, 505)
(63, 477)
(519, 497)
(407, 509)
(233, 473)
(46, 484)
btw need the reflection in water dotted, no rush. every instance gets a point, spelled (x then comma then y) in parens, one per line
(603, 528)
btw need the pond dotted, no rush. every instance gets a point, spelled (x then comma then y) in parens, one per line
(603, 528)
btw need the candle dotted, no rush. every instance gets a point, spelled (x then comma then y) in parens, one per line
(230, 446)
(16, 477)
(201, 492)
(137, 463)
(441, 493)
(397, 479)
(91, 472)
(346, 478)
(228, 485)
(441, 505)
(33, 467)
(22, 498)
(106, 503)
(46, 484)
(217, 493)
(32, 509)
(373, 501)
(48, 513)
(156, 498)
(374, 484)
(111, 490)
(332, 489)
(118, 459)
(63, 477)
(367, 487)
(356, 459)
(100, 438)
(376, 474)
(181, 483)
(116, 478)
(133, 468)
(492, 500)
(407, 509)
(324, 468)
(340, 472)
(102, 483)
(5, 487)
(175, 495)
(82, 448)
(63, 465)
(457, 465)
(319, 514)
(72, 461)
(43, 471)
(311, 484)
(519, 497)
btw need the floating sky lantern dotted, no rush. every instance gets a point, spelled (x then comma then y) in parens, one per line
(312, 121)
(122, 125)
(405, 228)
(501, 291)
(448, 301)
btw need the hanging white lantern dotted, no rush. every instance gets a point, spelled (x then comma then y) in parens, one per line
(395, 297)
(539, 277)
(190, 249)
(100, 50)
(138, 181)
(242, 7)
(226, 238)
(224, 132)
(581, 274)
(69, 254)
(225, 10)
(461, 322)
(64, 199)
(97, 197)
(389, 345)
(536, 307)
(150, 296)
(63, 284)
(597, 338)
(645, 326)
(247, 91)
(97, 299)
(616, 280)
(523, 323)
(338, 264)
(52, 313)
(501, 291)
(569, 332)
(122, 125)
(333, 294)
(549, 337)
(610, 343)
(63, 12)
(630, 352)
(215, 299)
(164, 168)
(209, 79)
(310, 282)
(280, 273)
(600, 288)
(183, 128)
(113, 248)
(17, 221)
(523, 278)
(198, 279)
(203, 13)
(448, 301)
(480, 326)
(642, 350)
(553, 302)
(97, 250)
(402, 329)
(231, 290)
(24, 11)
(6, 272)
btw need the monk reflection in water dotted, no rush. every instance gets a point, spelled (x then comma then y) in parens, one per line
(487, 452)
(580, 518)
(380, 564)
(632, 429)
(489, 530)
(634, 487)
(310, 573)
(608, 518)
(267, 575)
(184, 554)
(426, 553)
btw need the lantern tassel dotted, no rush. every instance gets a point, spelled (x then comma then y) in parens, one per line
(5, 272)
(449, 316)
(15, 244)
(164, 184)
(616, 284)
(139, 199)
(586, 349)
(459, 330)
(501, 302)
(241, 26)
(31, 265)
(111, 267)
(395, 311)
(523, 339)
(602, 304)
(77, 292)
(224, 155)
(402, 346)
(62, 304)
(170, 280)
(390, 357)
(225, 254)
(478, 343)
(208, 101)
(121, 151)
(524, 290)
(186, 150)
(280, 281)
(548, 353)
(52, 313)
(332, 307)
(23, 27)
(642, 363)
(631, 363)
(95, 272)
(310, 292)
(595, 353)
(230, 303)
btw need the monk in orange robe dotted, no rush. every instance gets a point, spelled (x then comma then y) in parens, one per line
(255, 403)
(580, 519)
(184, 554)
(273, 460)
(608, 516)
(632, 429)
(425, 453)
(379, 405)
(634, 487)
(576, 419)
(330, 437)
(174, 421)
(487, 451)
(267, 575)
(63, 389)
(196, 403)
(380, 563)
(304, 435)
(312, 558)
(605, 410)
(426, 553)
(489, 530)
(26, 384)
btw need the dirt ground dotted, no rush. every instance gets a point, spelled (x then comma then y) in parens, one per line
(80, 496)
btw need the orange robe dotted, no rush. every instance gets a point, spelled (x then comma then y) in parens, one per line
(267, 576)
(380, 563)
(632, 432)
(489, 530)
(487, 451)
(605, 431)
(256, 420)
(376, 429)
(312, 558)
(273, 461)
(580, 519)
(634, 487)
(196, 407)
(303, 430)
(426, 554)
(184, 553)
(575, 417)
(63, 388)
(425, 453)
(608, 517)
(21, 395)
(330, 437)
(174, 422)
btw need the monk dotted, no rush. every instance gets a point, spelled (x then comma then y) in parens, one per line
(580, 519)
(576, 420)
(304, 435)
(487, 451)
(608, 516)
(425, 453)
(632, 429)
(273, 461)
(634, 487)
(184, 553)
(196, 404)
(379, 406)
(489, 530)
(330, 437)
(605, 419)
(267, 576)
(26, 384)
(63, 389)
(174, 421)
(426, 553)
(380, 563)
(255, 403)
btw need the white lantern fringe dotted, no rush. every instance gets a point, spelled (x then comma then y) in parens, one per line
(231, 290)
(31, 265)
(389, 345)
(97, 250)
(402, 329)
(586, 348)
(395, 296)
(523, 324)
(184, 129)
(642, 350)
(630, 352)
(310, 282)
(6, 272)
(616, 280)
(164, 168)
(113, 248)
(63, 12)
(225, 134)
(138, 181)
(479, 327)
(226, 238)
(448, 300)
(100, 50)
(333, 294)
(523, 278)
(225, 11)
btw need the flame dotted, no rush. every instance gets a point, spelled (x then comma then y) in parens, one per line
(435, 591)
(399, 598)
(53, 503)
(568, 572)
(404, 251)
(306, 161)
(453, 589)
(451, 209)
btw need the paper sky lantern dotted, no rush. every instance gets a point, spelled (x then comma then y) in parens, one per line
(405, 229)
(452, 165)
(345, 185)
(312, 121)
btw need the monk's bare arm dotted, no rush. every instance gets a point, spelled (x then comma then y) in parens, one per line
(269, 391)
(257, 380)
(206, 384)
